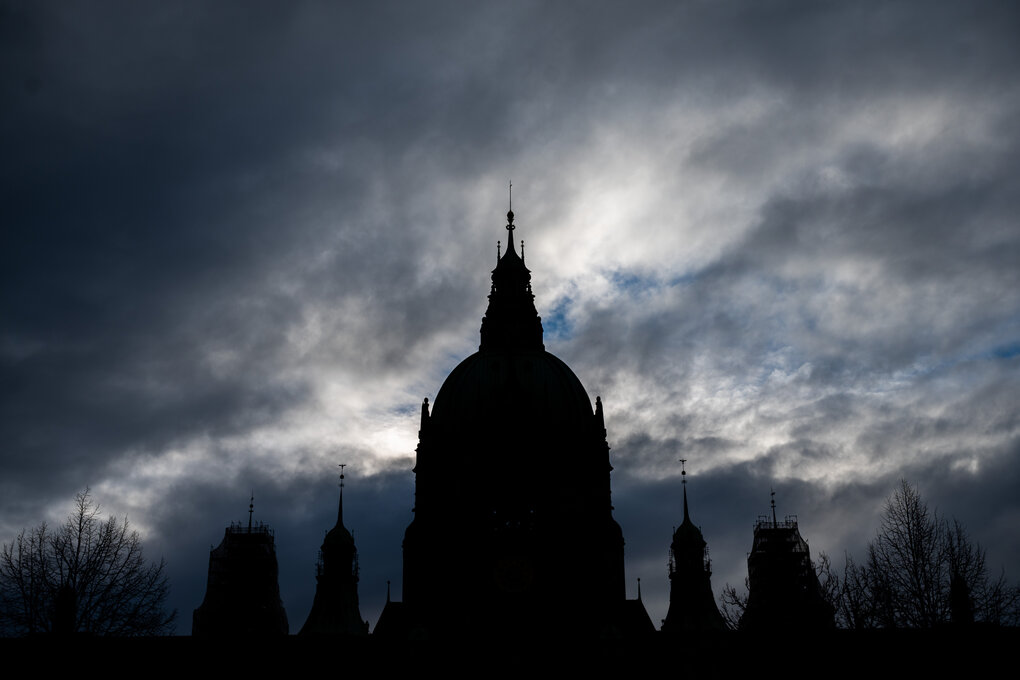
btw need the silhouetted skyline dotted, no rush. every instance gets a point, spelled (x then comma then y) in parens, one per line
(241, 243)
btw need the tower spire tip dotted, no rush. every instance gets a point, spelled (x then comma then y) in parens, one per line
(510, 207)
(683, 482)
(340, 509)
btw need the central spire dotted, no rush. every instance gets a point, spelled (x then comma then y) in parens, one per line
(511, 321)
(510, 216)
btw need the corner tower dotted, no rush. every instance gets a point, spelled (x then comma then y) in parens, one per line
(335, 610)
(691, 603)
(513, 531)
(242, 596)
(784, 591)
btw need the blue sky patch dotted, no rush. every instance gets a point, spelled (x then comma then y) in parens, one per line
(556, 324)
(633, 283)
(1007, 351)
(638, 284)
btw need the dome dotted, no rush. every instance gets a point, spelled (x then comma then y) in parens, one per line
(512, 385)
(512, 486)
(528, 388)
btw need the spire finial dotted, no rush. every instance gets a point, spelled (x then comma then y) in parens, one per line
(510, 218)
(639, 589)
(387, 590)
(251, 509)
(683, 482)
(340, 510)
(522, 250)
(499, 251)
(772, 493)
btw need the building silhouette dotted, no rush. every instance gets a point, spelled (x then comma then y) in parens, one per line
(242, 596)
(335, 610)
(513, 531)
(691, 602)
(513, 535)
(784, 592)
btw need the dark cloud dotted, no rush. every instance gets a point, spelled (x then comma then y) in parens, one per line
(241, 240)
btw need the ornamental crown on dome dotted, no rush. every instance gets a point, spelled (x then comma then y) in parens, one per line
(511, 321)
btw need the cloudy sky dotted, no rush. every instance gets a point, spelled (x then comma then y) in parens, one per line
(242, 241)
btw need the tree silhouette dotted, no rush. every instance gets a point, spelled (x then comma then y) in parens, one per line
(88, 576)
(923, 571)
(854, 607)
(732, 605)
(907, 562)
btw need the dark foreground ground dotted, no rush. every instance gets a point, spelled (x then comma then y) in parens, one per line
(971, 653)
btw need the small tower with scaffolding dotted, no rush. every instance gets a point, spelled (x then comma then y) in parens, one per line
(242, 596)
(784, 589)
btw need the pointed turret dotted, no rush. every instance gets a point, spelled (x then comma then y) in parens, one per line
(600, 417)
(335, 610)
(691, 603)
(424, 416)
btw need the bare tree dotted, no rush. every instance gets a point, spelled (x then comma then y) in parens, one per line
(998, 602)
(732, 605)
(973, 596)
(87, 576)
(828, 581)
(923, 571)
(854, 607)
(907, 561)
